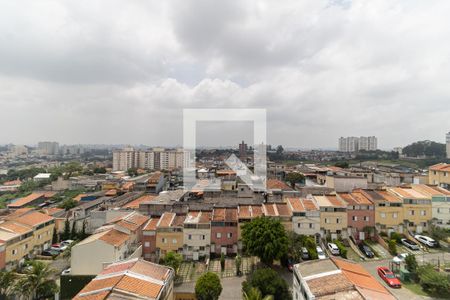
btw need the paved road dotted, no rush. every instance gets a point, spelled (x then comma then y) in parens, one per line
(404, 293)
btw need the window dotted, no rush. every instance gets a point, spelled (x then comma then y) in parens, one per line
(189, 236)
(39, 236)
(394, 215)
(355, 218)
(14, 251)
(229, 235)
(147, 244)
(203, 237)
(338, 220)
(383, 215)
(311, 225)
(438, 210)
(218, 235)
(174, 241)
(411, 212)
(164, 240)
(423, 212)
(366, 218)
(299, 225)
(327, 221)
(411, 224)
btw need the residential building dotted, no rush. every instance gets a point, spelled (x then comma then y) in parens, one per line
(279, 211)
(30, 200)
(125, 159)
(132, 224)
(440, 203)
(169, 233)
(355, 144)
(305, 216)
(224, 232)
(345, 183)
(149, 240)
(360, 214)
(130, 279)
(344, 280)
(416, 208)
(2, 255)
(388, 210)
(440, 175)
(89, 256)
(333, 216)
(447, 142)
(155, 159)
(48, 148)
(243, 151)
(197, 235)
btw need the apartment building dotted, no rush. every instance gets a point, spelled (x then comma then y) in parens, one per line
(155, 159)
(355, 144)
(25, 232)
(169, 233)
(89, 256)
(333, 216)
(197, 235)
(48, 148)
(305, 216)
(440, 175)
(130, 279)
(417, 210)
(149, 240)
(224, 231)
(360, 214)
(388, 210)
(440, 203)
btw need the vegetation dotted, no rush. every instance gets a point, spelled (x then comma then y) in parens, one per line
(208, 287)
(439, 233)
(132, 172)
(66, 232)
(342, 164)
(425, 148)
(238, 262)
(295, 177)
(222, 262)
(73, 231)
(7, 280)
(68, 204)
(172, 260)
(265, 238)
(255, 294)
(397, 237)
(269, 282)
(434, 282)
(392, 244)
(411, 264)
(342, 248)
(297, 241)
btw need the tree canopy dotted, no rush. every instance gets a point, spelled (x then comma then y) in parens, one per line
(265, 238)
(208, 287)
(425, 148)
(295, 177)
(173, 260)
(269, 282)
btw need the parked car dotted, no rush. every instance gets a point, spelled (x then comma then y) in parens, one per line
(333, 249)
(320, 253)
(50, 252)
(67, 242)
(389, 277)
(66, 271)
(290, 264)
(366, 250)
(410, 244)
(400, 258)
(305, 254)
(427, 241)
(58, 247)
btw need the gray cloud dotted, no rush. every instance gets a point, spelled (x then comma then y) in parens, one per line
(83, 72)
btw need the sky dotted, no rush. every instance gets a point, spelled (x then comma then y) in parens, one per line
(121, 72)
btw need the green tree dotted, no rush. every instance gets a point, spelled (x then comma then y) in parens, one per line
(295, 177)
(73, 231)
(208, 287)
(83, 233)
(173, 260)
(280, 150)
(71, 168)
(66, 233)
(222, 262)
(434, 282)
(392, 244)
(37, 282)
(238, 262)
(255, 294)
(265, 238)
(342, 164)
(411, 263)
(54, 236)
(7, 283)
(132, 172)
(269, 282)
(68, 204)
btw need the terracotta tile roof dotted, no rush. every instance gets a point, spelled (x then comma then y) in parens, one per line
(430, 190)
(112, 192)
(34, 218)
(275, 184)
(270, 210)
(355, 198)
(25, 200)
(114, 237)
(12, 182)
(389, 197)
(407, 193)
(166, 219)
(329, 201)
(135, 203)
(334, 284)
(310, 205)
(295, 204)
(205, 217)
(151, 224)
(442, 167)
(52, 210)
(283, 210)
(135, 278)
(132, 221)
(244, 212)
(224, 215)
(19, 212)
(178, 221)
(14, 227)
(78, 197)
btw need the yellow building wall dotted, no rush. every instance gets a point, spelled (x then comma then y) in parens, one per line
(389, 212)
(438, 178)
(46, 234)
(23, 248)
(332, 217)
(169, 245)
(417, 217)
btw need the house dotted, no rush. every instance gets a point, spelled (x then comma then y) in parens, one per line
(224, 235)
(416, 208)
(246, 213)
(388, 210)
(30, 200)
(89, 256)
(360, 214)
(305, 216)
(440, 203)
(169, 234)
(333, 216)
(276, 189)
(344, 280)
(197, 235)
(132, 224)
(279, 211)
(439, 175)
(134, 204)
(130, 279)
(164, 202)
(149, 240)
(345, 183)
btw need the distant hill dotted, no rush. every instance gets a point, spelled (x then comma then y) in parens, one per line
(425, 148)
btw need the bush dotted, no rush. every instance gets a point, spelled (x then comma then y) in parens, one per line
(392, 244)
(396, 236)
(269, 282)
(433, 281)
(208, 287)
(383, 234)
(222, 262)
(342, 248)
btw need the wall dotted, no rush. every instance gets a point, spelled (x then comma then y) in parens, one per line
(88, 259)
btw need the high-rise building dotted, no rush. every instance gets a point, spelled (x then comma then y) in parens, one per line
(155, 159)
(354, 144)
(448, 144)
(48, 148)
(243, 150)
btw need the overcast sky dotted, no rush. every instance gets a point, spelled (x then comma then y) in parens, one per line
(122, 71)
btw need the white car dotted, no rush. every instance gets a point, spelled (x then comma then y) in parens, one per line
(67, 242)
(400, 258)
(333, 249)
(66, 272)
(320, 253)
(426, 240)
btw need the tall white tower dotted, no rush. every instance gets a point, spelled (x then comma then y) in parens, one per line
(448, 144)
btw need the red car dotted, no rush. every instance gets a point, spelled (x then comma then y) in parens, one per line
(389, 277)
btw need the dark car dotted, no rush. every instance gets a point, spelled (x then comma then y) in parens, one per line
(410, 244)
(304, 253)
(50, 252)
(366, 250)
